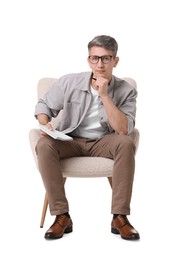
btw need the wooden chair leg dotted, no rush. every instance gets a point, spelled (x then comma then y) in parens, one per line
(110, 181)
(45, 205)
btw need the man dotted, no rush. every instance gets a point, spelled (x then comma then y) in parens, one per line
(99, 113)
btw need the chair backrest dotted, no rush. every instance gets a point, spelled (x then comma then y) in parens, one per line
(45, 83)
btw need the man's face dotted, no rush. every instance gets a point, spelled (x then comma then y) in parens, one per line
(102, 67)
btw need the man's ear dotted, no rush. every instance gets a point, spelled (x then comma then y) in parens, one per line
(116, 61)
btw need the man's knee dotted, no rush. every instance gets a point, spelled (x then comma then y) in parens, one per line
(43, 143)
(125, 142)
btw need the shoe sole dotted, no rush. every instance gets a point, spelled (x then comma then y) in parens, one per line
(115, 231)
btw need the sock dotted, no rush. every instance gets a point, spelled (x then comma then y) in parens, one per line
(66, 214)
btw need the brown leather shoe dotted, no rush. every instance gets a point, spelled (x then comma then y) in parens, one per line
(120, 225)
(62, 224)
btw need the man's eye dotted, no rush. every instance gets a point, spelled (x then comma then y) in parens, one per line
(94, 58)
(106, 58)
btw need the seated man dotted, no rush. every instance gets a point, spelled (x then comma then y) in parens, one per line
(99, 113)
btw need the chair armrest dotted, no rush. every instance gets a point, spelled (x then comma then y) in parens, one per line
(34, 136)
(136, 136)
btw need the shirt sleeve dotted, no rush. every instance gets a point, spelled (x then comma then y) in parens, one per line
(128, 107)
(52, 101)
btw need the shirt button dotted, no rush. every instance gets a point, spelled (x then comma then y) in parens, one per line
(101, 118)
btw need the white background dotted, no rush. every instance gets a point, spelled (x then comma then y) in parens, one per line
(46, 38)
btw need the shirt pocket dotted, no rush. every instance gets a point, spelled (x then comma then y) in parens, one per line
(71, 115)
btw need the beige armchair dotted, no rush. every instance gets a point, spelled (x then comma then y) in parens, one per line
(75, 167)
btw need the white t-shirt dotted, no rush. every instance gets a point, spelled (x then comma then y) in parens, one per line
(90, 127)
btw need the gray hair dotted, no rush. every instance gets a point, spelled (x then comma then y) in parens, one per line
(104, 41)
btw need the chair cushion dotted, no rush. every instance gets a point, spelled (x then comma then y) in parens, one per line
(87, 167)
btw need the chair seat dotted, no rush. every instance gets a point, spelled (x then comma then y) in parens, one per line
(87, 167)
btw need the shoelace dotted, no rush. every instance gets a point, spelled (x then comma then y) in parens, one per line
(124, 220)
(59, 220)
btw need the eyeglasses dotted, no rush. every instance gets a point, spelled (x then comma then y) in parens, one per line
(95, 59)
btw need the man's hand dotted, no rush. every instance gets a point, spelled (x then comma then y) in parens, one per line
(43, 120)
(49, 126)
(101, 85)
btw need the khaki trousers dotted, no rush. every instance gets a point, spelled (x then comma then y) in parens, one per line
(120, 148)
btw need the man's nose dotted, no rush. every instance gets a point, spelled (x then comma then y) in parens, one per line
(100, 63)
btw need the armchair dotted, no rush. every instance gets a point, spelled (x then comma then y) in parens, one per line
(81, 167)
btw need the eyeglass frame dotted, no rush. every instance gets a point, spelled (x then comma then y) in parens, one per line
(100, 57)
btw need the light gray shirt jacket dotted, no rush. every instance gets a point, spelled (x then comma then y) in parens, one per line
(71, 93)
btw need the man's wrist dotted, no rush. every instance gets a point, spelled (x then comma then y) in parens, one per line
(43, 119)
